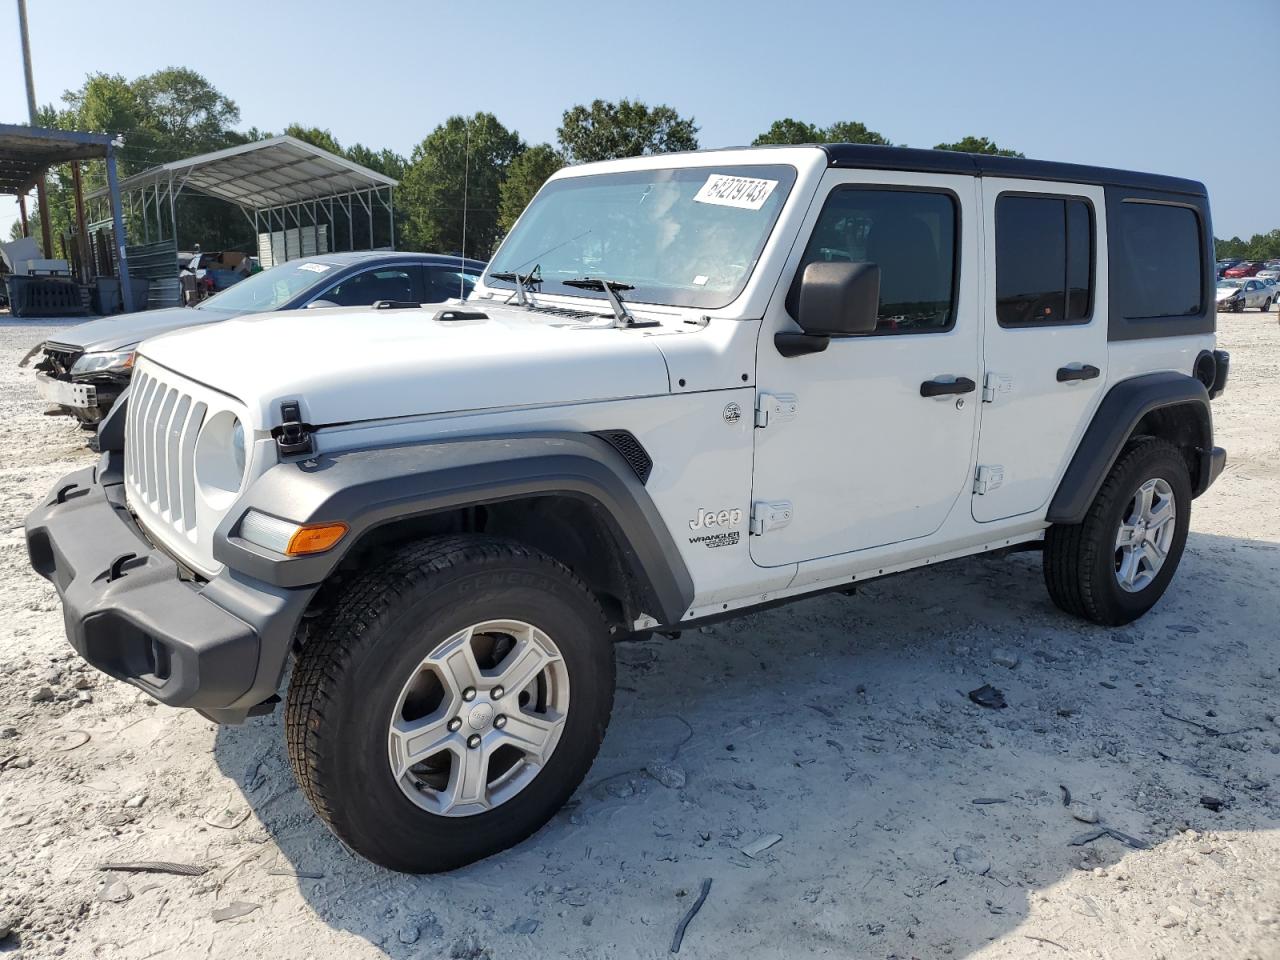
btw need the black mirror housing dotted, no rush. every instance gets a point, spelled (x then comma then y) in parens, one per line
(839, 299)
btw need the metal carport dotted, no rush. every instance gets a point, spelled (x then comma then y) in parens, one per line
(27, 153)
(282, 185)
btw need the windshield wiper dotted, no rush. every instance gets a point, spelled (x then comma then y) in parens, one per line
(526, 282)
(622, 317)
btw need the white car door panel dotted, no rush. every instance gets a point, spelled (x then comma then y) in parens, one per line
(1044, 338)
(861, 455)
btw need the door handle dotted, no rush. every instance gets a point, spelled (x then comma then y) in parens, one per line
(1070, 374)
(939, 388)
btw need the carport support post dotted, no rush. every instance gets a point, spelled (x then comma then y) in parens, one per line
(82, 234)
(42, 198)
(117, 224)
(22, 215)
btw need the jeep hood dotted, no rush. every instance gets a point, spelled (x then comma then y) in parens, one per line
(127, 329)
(356, 365)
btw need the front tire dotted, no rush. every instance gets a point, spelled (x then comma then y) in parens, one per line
(450, 701)
(1116, 564)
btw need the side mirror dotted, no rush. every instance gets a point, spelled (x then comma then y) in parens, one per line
(839, 299)
(316, 304)
(836, 299)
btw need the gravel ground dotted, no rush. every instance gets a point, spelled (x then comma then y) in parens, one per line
(913, 823)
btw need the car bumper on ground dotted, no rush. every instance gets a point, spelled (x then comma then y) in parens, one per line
(217, 646)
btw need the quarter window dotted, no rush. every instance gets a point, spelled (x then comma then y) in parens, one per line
(1044, 260)
(1160, 261)
(910, 235)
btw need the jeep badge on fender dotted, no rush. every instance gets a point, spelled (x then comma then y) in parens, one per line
(446, 521)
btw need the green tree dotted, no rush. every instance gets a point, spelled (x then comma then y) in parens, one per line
(978, 145)
(607, 131)
(384, 161)
(798, 131)
(1261, 246)
(851, 131)
(788, 131)
(163, 116)
(525, 176)
(314, 136)
(453, 186)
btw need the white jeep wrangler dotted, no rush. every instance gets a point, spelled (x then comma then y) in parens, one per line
(687, 387)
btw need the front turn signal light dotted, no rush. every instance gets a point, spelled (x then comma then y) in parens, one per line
(291, 539)
(315, 538)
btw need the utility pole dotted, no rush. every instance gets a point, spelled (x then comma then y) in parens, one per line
(41, 197)
(26, 59)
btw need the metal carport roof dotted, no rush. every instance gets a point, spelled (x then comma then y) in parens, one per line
(27, 152)
(262, 174)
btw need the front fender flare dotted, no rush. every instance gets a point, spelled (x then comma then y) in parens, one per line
(372, 487)
(1113, 423)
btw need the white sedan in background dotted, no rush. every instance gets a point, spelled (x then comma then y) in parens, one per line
(1237, 295)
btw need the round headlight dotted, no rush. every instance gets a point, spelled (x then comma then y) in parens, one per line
(237, 447)
(221, 454)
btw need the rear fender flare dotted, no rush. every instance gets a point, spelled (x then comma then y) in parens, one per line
(1113, 424)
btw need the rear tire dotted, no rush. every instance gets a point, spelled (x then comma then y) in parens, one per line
(369, 673)
(1266, 307)
(1085, 563)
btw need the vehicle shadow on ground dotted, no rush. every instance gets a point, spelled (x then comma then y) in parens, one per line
(843, 725)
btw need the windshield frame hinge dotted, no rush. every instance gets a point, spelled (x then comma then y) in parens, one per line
(293, 436)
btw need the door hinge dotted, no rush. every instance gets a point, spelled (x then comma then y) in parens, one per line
(996, 383)
(770, 515)
(776, 408)
(988, 478)
(293, 437)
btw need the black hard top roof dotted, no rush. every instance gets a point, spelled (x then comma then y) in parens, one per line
(863, 155)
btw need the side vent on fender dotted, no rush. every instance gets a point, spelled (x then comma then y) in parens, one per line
(637, 457)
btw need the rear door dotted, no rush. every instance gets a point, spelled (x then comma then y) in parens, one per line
(1044, 338)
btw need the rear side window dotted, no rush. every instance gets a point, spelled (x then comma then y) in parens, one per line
(1044, 260)
(1161, 261)
(446, 283)
(388, 283)
(910, 235)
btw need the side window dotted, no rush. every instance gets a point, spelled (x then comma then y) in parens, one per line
(1044, 260)
(446, 283)
(910, 235)
(387, 283)
(1160, 247)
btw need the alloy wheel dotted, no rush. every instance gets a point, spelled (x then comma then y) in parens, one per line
(479, 718)
(1145, 535)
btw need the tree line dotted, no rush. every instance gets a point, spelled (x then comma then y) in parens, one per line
(466, 163)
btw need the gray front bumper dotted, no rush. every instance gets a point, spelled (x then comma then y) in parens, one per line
(216, 646)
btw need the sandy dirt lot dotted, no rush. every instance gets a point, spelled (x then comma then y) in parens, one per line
(913, 823)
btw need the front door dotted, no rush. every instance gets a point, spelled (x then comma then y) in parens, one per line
(1045, 338)
(870, 441)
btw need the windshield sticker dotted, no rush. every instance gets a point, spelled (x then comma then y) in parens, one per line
(315, 267)
(700, 280)
(747, 193)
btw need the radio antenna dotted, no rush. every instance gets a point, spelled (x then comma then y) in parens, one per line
(466, 183)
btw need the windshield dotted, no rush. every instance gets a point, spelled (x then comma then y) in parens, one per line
(270, 289)
(686, 237)
(1230, 284)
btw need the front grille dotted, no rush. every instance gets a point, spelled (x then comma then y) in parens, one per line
(161, 430)
(59, 359)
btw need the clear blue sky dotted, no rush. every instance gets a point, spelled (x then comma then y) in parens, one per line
(1185, 87)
